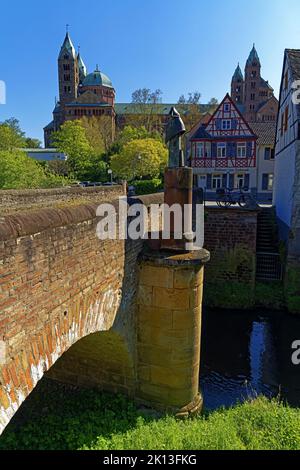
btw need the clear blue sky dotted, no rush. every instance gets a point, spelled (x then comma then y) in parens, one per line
(175, 45)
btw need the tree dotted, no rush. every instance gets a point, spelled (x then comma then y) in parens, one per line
(32, 143)
(71, 139)
(213, 103)
(99, 132)
(193, 98)
(11, 136)
(18, 171)
(190, 108)
(145, 110)
(144, 158)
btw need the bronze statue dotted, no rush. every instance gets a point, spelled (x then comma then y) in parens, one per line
(174, 131)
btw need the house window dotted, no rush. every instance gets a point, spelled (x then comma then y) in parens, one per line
(217, 181)
(252, 97)
(240, 180)
(221, 150)
(270, 182)
(227, 106)
(199, 150)
(269, 153)
(226, 124)
(267, 182)
(241, 150)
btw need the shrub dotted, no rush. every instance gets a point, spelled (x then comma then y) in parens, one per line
(148, 187)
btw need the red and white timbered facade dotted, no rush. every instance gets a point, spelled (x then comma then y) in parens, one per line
(223, 152)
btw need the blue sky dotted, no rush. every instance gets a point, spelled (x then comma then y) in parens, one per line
(175, 45)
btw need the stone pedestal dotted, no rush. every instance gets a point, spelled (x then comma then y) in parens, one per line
(169, 330)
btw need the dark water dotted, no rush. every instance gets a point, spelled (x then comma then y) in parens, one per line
(248, 353)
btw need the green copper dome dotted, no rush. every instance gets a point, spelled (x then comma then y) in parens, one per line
(97, 78)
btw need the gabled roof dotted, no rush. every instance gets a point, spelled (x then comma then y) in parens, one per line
(265, 131)
(88, 98)
(262, 105)
(67, 47)
(201, 131)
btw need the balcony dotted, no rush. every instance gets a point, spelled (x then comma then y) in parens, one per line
(223, 163)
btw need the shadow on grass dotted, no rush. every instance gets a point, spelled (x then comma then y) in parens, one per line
(58, 417)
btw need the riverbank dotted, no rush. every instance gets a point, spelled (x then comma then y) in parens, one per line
(55, 417)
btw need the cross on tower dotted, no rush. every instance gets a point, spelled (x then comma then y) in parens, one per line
(67, 28)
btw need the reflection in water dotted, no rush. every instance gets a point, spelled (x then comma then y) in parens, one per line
(245, 354)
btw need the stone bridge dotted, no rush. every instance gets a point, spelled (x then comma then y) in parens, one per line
(92, 313)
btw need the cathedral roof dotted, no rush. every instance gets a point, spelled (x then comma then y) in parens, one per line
(238, 74)
(97, 78)
(253, 56)
(67, 47)
(81, 65)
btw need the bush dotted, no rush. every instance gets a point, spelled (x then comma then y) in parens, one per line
(148, 187)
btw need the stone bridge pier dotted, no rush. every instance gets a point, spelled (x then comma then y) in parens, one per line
(92, 313)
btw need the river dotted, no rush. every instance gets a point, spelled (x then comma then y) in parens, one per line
(245, 354)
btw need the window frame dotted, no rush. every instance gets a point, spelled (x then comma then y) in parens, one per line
(239, 146)
(223, 146)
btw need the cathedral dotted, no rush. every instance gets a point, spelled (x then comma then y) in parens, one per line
(80, 93)
(253, 95)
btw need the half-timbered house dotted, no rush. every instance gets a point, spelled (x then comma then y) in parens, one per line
(222, 152)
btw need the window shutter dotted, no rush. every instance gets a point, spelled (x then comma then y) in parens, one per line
(249, 149)
(209, 181)
(234, 123)
(231, 181)
(224, 181)
(213, 150)
(265, 179)
(247, 181)
(228, 149)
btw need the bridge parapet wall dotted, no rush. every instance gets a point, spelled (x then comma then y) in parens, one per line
(60, 283)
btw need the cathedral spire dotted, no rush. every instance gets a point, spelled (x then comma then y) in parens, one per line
(253, 56)
(81, 66)
(67, 47)
(238, 74)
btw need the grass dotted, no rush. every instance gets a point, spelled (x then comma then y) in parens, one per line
(58, 418)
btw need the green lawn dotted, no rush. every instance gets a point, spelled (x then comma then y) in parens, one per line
(90, 420)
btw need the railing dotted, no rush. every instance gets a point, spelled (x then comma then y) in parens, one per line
(223, 163)
(268, 267)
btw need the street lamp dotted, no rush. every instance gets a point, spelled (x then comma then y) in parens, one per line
(110, 172)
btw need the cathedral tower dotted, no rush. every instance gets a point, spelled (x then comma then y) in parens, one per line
(68, 73)
(252, 85)
(237, 86)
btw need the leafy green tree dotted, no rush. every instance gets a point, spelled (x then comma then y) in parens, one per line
(18, 171)
(32, 143)
(144, 158)
(11, 137)
(72, 140)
